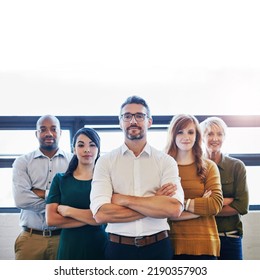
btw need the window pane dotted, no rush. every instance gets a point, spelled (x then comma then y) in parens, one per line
(157, 138)
(110, 140)
(6, 195)
(253, 179)
(238, 136)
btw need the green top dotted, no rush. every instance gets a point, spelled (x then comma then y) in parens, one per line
(234, 184)
(81, 243)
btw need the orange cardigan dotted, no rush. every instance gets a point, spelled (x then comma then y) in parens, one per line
(198, 236)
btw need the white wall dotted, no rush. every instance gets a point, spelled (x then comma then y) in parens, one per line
(165, 51)
(251, 241)
(9, 229)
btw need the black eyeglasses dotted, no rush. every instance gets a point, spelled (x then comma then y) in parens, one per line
(139, 117)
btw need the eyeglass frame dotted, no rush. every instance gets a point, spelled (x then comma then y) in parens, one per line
(134, 115)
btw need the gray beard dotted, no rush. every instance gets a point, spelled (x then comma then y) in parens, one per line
(134, 137)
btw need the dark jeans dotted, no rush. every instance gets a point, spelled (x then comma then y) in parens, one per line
(231, 248)
(161, 250)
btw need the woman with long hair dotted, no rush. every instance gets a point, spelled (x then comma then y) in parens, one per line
(194, 234)
(69, 199)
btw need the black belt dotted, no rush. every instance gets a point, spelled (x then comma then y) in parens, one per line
(138, 241)
(45, 233)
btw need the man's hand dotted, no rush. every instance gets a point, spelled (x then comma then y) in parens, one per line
(168, 189)
(227, 200)
(38, 192)
(119, 199)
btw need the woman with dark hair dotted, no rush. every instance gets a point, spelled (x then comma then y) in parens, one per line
(68, 202)
(194, 234)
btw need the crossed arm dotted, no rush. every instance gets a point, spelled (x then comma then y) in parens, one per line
(188, 213)
(64, 216)
(127, 208)
(227, 210)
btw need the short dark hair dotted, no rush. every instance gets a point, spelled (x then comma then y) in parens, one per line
(134, 99)
(49, 117)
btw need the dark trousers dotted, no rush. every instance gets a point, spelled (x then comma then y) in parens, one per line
(161, 250)
(194, 257)
(231, 248)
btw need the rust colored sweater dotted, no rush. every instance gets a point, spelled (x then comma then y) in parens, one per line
(199, 236)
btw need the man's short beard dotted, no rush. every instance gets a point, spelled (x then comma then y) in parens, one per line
(134, 137)
(49, 148)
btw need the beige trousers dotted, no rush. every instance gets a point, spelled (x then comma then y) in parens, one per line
(36, 247)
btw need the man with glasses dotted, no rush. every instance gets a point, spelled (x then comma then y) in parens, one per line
(130, 190)
(32, 177)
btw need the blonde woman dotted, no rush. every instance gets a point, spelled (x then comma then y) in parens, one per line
(234, 187)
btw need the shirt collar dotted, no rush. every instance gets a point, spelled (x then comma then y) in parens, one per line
(147, 149)
(221, 164)
(38, 153)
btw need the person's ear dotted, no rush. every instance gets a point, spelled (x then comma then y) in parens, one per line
(150, 122)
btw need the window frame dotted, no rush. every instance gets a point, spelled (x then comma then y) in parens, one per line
(111, 123)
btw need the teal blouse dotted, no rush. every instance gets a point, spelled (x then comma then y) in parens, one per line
(81, 243)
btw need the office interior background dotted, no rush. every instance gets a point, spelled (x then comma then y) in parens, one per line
(80, 61)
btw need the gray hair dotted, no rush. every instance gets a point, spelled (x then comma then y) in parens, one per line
(211, 122)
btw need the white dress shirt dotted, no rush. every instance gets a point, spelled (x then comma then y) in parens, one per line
(120, 171)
